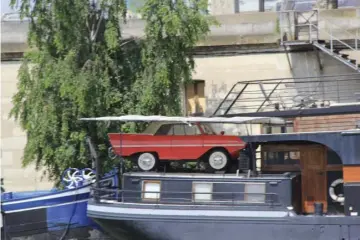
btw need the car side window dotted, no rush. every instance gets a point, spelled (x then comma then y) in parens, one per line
(192, 130)
(178, 129)
(164, 130)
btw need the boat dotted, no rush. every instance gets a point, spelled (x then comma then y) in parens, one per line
(294, 195)
(56, 213)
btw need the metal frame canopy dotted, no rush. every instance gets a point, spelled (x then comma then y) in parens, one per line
(159, 118)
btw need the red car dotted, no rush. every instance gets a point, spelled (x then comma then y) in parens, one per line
(177, 141)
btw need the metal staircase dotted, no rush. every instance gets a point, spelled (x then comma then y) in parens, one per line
(301, 29)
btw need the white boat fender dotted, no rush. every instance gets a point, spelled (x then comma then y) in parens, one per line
(336, 198)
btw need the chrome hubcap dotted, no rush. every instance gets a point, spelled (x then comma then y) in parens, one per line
(217, 160)
(146, 161)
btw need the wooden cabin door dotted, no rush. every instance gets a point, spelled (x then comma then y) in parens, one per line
(314, 187)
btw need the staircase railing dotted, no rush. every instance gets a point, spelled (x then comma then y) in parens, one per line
(288, 24)
(353, 63)
(332, 39)
(355, 36)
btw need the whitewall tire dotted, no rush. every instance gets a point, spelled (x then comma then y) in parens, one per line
(218, 160)
(147, 161)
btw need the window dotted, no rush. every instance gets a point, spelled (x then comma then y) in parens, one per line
(348, 3)
(281, 157)
(178, 129)
(151, 190)
(207, 129)
(164, 130)
(246, 6)
(255, 192)
(202, 191)
(272, 5)
(276, 129)
(192, 130)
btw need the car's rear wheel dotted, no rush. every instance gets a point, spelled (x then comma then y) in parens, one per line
(147, 161)
(218, 160)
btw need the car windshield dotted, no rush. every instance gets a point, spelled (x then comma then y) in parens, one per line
(208, 129)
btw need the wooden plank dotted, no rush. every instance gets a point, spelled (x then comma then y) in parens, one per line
(351, 174)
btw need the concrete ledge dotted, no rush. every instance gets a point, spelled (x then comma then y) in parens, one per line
(340, 13)
(242, 28)
(239, 40)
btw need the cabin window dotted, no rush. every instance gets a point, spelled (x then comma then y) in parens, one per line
(277, 129)
(281, 157)
(151, 190)
(255, 192)
(202, 191)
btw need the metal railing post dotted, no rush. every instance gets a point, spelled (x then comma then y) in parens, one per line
(356, 39)
(331, 40)
(281, 28)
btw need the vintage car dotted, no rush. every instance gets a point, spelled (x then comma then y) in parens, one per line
(170, 139)
(173, 141)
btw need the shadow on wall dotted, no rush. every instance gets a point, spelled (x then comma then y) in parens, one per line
(218, 92)
(340, 89)
(312, 87)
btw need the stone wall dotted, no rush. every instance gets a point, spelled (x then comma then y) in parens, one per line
(221, 7)
(13, 140)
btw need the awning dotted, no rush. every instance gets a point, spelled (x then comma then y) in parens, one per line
(159, 118)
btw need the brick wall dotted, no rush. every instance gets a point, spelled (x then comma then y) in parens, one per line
(326, 123)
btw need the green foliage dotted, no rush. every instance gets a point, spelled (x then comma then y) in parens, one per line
(81, 67)
(172, 30)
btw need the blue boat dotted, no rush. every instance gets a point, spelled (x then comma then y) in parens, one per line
(54, 214)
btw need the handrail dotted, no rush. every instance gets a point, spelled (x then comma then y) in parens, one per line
(357, 75)
(345, 30)
(323, 95)
(269, 198)
(332, 37)
(224, 99)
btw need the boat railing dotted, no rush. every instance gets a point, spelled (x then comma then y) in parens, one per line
(286, 94)
(185, 198)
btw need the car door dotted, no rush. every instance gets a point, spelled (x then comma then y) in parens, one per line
(186, 142)
(161, 141)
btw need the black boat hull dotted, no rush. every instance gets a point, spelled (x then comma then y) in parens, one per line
(295, 229)
(181, 222)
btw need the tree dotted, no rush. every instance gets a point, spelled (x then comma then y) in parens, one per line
(81, 67)
(173, 28)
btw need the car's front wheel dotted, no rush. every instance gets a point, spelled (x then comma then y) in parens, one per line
(147, 161)
(218, 160)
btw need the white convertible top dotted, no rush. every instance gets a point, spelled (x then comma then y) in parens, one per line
(159, 118)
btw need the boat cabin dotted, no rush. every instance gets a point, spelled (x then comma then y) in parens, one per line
(327, 164)
(271, 192)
